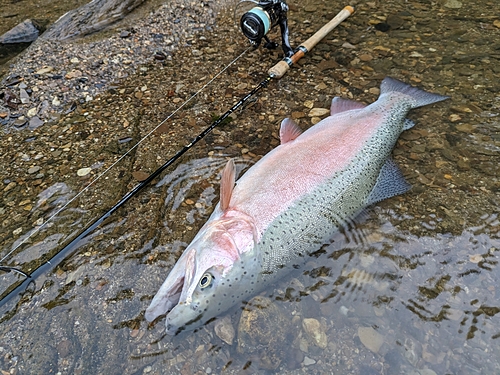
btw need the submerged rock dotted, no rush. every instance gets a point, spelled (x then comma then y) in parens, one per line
(90, 18)
(262, 332)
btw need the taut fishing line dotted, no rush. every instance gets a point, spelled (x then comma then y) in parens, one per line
(255, 24)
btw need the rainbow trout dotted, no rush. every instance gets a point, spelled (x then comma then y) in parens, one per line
(288, 205)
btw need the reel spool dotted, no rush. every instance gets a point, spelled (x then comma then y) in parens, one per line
(264, 16)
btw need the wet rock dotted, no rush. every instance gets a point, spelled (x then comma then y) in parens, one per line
(90, 18)
(370, 338)
(34, 169)
(224, 330)
(315, 332)
(64, 348)
(394, 21)
(316, 112)
(308, 361)
(35, 122)
(26, 32)
(262, 332)
(453, 4)
(83, 171)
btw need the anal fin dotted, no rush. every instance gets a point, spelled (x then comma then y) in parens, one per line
(390, 182)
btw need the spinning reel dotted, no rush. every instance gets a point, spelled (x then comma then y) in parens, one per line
(259, 20)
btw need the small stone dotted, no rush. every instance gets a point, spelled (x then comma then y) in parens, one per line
(224, 330)
(309, 104)
(416, 54)
(32, 112)
(11, 185)
(74, 60)
(365, 57)
(56, 102)
(35, 122)
(348, 45)
(83, 171)
(454, 117)
(316, 112)
(44, 70)
(34, 169)
(370, 338)
(394, 21)
(454, 314)
(308, 361)
(17, 231)
(124, 34)
(453, 4)
(465, 128)
(496, 23)
(140, 175)
(313, 329)
(427, 371)
(321, 86)
(297, 115)
(476, 258)
(374, 90)
(23, 95)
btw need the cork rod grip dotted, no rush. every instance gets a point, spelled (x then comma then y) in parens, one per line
(282, 67)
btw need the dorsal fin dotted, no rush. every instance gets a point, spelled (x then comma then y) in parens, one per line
(227, 181)
(289, 130)
(342, 105)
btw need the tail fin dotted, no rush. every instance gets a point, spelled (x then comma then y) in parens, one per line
(419, 96)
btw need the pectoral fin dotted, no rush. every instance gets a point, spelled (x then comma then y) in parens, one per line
(289, 130)
(227, 184)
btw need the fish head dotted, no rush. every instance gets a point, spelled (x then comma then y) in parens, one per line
(210, 277)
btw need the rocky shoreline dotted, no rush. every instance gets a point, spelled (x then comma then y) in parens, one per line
(52, 78)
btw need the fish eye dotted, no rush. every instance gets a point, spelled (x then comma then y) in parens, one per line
(206, 280)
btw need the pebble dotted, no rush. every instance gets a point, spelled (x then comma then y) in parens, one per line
(44, 70)
(453, 4)
(224, 330)
(309, 104)
(370, 338)
(23, 95)
(316, 112)
(34, 169)
(35, 122)
(56, 102)
(308, 361)
(83, 171)
(32, 112)
(316, 334)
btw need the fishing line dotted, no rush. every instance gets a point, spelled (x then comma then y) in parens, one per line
(37, 229)
(274, 7)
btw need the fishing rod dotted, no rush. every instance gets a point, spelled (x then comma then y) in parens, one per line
(255, 24)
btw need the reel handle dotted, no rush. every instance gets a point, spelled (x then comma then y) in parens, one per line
(282, 67)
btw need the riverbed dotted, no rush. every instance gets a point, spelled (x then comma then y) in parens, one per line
(410, 289)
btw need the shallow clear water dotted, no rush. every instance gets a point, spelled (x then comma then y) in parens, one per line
(410, 289)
